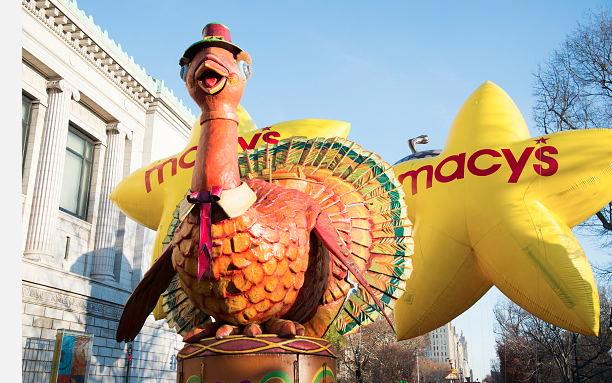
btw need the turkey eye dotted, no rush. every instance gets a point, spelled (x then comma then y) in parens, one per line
(184, 70)
(244, 70)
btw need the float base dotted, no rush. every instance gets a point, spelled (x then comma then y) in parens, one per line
(265, 359)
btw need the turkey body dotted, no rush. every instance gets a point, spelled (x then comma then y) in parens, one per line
(259, 259)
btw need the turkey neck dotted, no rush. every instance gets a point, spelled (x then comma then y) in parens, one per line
(216, 162)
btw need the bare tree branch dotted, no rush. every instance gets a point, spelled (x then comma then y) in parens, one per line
(531, 350)
(573, 87)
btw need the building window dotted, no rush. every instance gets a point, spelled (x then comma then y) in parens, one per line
(26, 111)
(77, 174)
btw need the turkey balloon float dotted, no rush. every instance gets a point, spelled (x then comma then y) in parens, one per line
(286, 239)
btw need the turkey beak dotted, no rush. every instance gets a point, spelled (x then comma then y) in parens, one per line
(212, 74)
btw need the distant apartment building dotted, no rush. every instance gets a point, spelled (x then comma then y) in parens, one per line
(447, 347)
(90, 117)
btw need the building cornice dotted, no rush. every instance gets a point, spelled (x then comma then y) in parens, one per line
(87, 39)
(68, 301)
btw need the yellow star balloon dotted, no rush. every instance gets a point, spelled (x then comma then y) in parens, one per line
(151, 195)
(495, 208)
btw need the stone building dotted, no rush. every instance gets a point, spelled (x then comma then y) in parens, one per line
(90, 117)
(447, 347)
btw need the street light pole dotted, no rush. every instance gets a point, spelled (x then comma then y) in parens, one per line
(128, 361)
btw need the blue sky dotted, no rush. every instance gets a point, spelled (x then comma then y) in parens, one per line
(393, 69)
(399, 68)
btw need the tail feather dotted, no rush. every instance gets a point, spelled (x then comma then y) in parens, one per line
(264, 158)
(358, 312)
(181, 313)
(328, 234)
(311, 151)
(293, 151)
(327, 154)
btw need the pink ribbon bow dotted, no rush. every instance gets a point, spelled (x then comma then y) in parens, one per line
(204, 199)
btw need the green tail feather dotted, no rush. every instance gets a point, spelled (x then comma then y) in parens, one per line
(182, 315)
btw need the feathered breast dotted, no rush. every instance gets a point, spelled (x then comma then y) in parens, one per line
(258, 259)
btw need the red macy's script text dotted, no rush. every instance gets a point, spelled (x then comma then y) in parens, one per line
(547, 166)
(269, 137)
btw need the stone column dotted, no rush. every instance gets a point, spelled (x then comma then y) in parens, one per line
(48, 185)
(108, 214)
